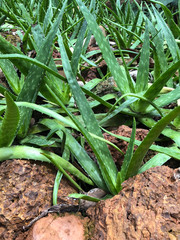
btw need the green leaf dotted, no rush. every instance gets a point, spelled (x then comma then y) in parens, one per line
(78, 48)
(24, 152)
(37, 140)
(11, 75)
(170, 151)
(156, 87)
(170, 21)
(166, 99)
(59, 175)
(157, 160)
(108, 55)
(32, 61)
(168, 132)
(80, 154)
(143, 69)
(34, 78)
(57, 181)
(149, 139)
(173, 47)
(106, 163)
(84, 197)
(8, 48)
(58, 165)
(129, 153)
(10, 123)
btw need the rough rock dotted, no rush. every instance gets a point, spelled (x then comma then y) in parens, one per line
(68, 227)
(147, 208)
(122, 145)
(25, 191)
(126, 132)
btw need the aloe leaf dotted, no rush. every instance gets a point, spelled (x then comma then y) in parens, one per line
(66, 156)
(108, 142)
(53, 81)
(57, 181)
(34, 78)
(102, 100)
(106, 163)
(84, 197)
(173, 47)
(24, 152)
(106, 50)
(134, 28)
(78, 48)
(168, 132)
(166, 99)
(10, 123)
(58, 165)
(149, 139)
(43, 6)
(32, 61)
(64, 121)
(10, 74)
(170, 21)
(117, 35)
(157, 160)
(156, 87)
(8, 48)
(158, 42)
(3, 90)
(2, 20)
(143, 69)
(36, 140)
(126, 104)
(170, 151)
(129, 153)
(121, 176)
(24, 13)
(82, 157)
(118, 110)
(48, 17)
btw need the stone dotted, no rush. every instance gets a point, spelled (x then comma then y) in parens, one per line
(26, 189)
(68, 227)
(124, 131)
(147, 208)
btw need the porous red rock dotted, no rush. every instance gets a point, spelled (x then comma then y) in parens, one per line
(124, 131)
(148, 208)
(26, 189)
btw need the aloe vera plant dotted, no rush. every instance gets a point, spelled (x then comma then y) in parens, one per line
(40, 78)
(126, 84)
